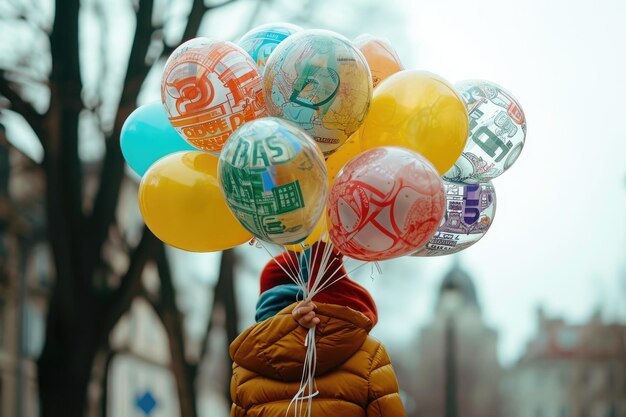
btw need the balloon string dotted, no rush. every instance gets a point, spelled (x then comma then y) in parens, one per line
(294, 277)
(303, 399)
(299, 269)
(331, 282)
(324, 265)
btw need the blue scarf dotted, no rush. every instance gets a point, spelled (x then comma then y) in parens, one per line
(275, 299)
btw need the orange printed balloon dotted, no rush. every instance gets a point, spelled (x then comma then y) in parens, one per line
(209, 89)
(380, 55)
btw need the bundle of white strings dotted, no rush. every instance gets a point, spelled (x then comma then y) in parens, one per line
(299, 273)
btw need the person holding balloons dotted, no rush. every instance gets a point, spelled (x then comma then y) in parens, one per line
(325, 147)
(353, 373)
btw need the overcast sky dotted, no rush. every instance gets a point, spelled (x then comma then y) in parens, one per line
(559, 235)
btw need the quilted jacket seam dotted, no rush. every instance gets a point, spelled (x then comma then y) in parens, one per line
(372, 369)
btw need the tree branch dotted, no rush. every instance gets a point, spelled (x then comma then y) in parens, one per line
(106, 199)
(225, 295)
(112, 171)
(61, 161)
(119, 301)
(196, 14)
(21, 106)
(173, 322)
(225, 274)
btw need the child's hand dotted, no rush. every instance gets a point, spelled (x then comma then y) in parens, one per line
(304, 314)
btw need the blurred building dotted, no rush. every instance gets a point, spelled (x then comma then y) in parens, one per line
(25, 279)
(139, 380)
(134, 378)
(569, 371)
(457, 366)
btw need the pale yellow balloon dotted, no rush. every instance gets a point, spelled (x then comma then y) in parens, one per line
(420, 111)
(348, 150)
(181, 203)
(319, 233)
(380, 56)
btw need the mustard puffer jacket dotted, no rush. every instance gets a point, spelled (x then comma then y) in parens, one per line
(354, 375)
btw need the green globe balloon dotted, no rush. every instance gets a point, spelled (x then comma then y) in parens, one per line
(319, 80)
(274, 180)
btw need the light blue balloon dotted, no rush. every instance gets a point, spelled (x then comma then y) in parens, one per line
(260, 41)
(147, 136)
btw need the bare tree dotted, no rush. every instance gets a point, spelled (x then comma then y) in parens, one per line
(185, 369)
(80, 315)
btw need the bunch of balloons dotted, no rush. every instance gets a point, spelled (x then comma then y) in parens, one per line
(293, 136)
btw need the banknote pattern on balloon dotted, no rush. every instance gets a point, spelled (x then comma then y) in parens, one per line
(470, 209)
(274, 180)
(497, 133)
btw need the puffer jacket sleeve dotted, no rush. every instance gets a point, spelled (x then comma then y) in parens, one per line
(383, 397)
(236, 410)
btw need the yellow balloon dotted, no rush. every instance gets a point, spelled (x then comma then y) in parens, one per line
(319, 233)
(181, 203)
(348, 150)
(420, 111)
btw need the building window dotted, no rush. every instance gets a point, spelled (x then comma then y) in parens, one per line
(539, 378)
(539, 411)
(34, 332)
(611, 378)
(585, 378)
(2, 324)
(567, 338)
(611, 410)
(42, 263)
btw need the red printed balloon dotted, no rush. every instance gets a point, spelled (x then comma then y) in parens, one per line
(386, 202)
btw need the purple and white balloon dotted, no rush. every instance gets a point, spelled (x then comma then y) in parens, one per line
(470, 209)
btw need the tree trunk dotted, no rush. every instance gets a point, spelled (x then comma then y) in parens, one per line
(79, 319)
(185, 372)
(64, 367)
(65, 364)
(167, 310)
(225, 295)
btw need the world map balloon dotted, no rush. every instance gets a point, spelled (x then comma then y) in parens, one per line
(273, 178)
(210, 88)
(261, 41)
(497, 132)
(470, 209)
(319, 80)
(386, 202)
